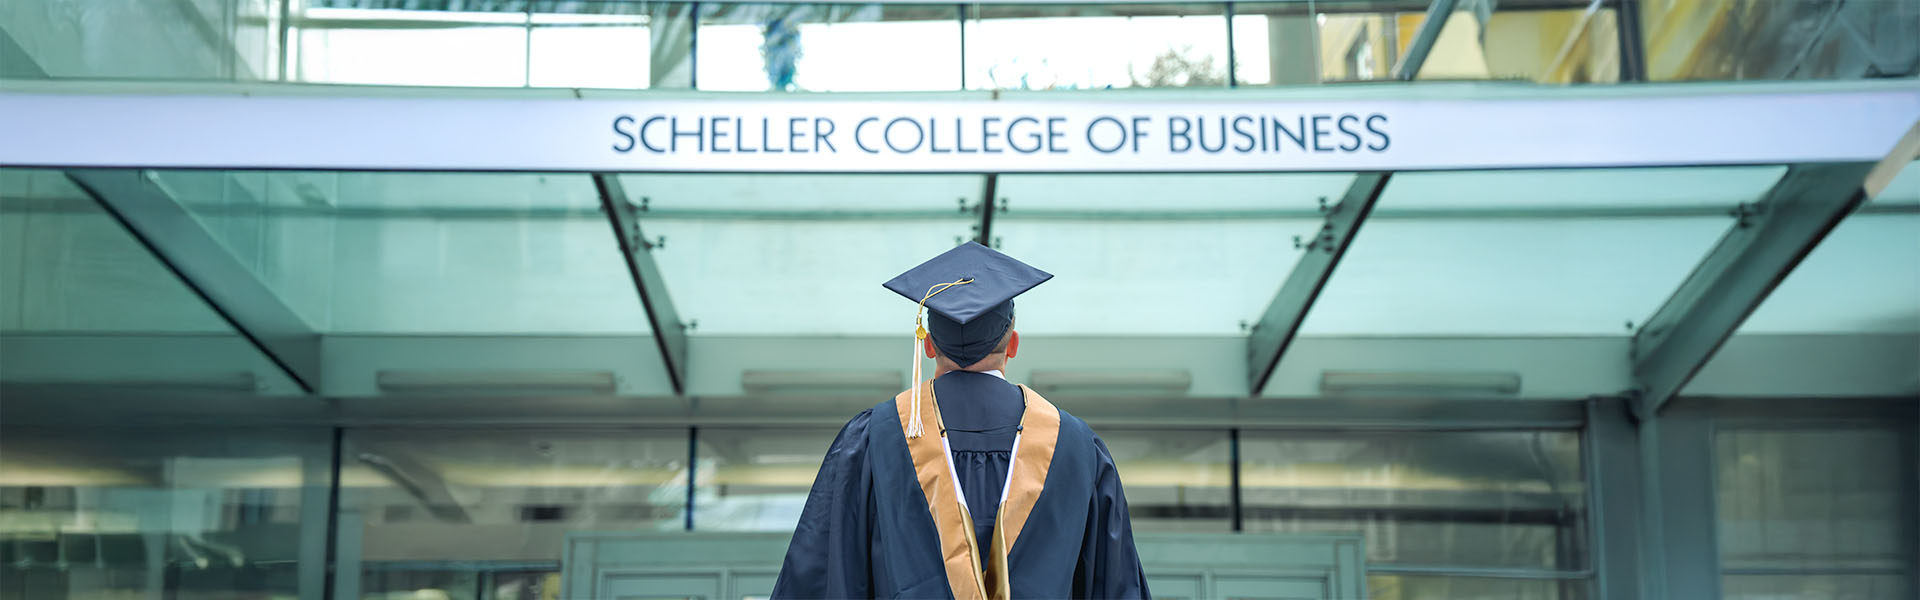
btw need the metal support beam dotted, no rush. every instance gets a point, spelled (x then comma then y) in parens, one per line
(1614, 501)
(1768, 241)
(1423, 40)
(988, 206)
(669, 333)
(1276, 329)
(1633, 48)
(170, 231)
(1679, 525)
(1233, 66)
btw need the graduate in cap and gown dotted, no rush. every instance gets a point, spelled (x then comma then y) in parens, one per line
(966, 486)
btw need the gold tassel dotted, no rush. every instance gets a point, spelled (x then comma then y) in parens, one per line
(915, 429)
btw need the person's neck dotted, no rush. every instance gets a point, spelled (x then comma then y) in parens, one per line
(940, 370)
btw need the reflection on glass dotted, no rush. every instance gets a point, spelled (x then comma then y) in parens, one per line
(1767, 39)
(367, 252)
(109, 513)
(82, 302)
(755, 479)
(1432, 587)
(1903, 190)
(1577, 44)
(1175, 480)
(1814, 587)
(1093, 46)
(1281, 43)
(115, 39)
(1814, 500)
(71, 267)
(451, 510)
(1487, 499)
(828, 47)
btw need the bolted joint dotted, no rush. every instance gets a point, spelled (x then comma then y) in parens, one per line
(1324, 241)
(1745, 213)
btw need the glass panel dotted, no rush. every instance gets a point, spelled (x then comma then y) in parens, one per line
(115, 39)
(429, 511)
(1483, 499)
(569, 49)
(1156, 254)
(1814, 499)
(355, 252)
(1864, 278)
(1568, 252)
(83, 303)
(106, 513)
(1578, 43)
(1903, 190)
(1814, 587)
(1766, 39)
(1447, 587)
(1089, 46)
(756, 479)
(1175, 480)
(829, 47)
(412, 47)
(1282, 43)
(822, 244)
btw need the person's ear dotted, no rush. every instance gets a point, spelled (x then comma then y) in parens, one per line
(926, 345)
(1013, 345)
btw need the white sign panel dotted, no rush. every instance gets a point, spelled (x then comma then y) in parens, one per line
(774, 135)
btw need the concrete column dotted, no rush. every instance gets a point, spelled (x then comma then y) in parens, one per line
(1293, 50)
(672, 27)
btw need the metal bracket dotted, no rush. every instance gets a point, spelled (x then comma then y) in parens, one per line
(1269, 337)
(1325, 241)
(1745, 213)
(1768, 240)
(161, 222)
(669, 332)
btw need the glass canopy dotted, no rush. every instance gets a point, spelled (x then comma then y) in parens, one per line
(1530, 253)
(1157, 254)
(424, 253)
(797, 254)
(84, 304)
(389, 257)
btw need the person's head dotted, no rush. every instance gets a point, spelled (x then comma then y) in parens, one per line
(966, 295)
(1008, 347)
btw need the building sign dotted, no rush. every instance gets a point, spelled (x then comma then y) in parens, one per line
(776, 133)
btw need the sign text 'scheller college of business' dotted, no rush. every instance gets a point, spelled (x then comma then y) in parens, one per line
(1167, 134)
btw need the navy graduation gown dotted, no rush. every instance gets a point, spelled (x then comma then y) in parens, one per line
(981, 417)
(883, 520)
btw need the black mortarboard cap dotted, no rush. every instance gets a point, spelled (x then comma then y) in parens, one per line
(968, 319)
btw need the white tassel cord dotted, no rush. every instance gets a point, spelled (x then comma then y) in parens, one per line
(914, 429)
